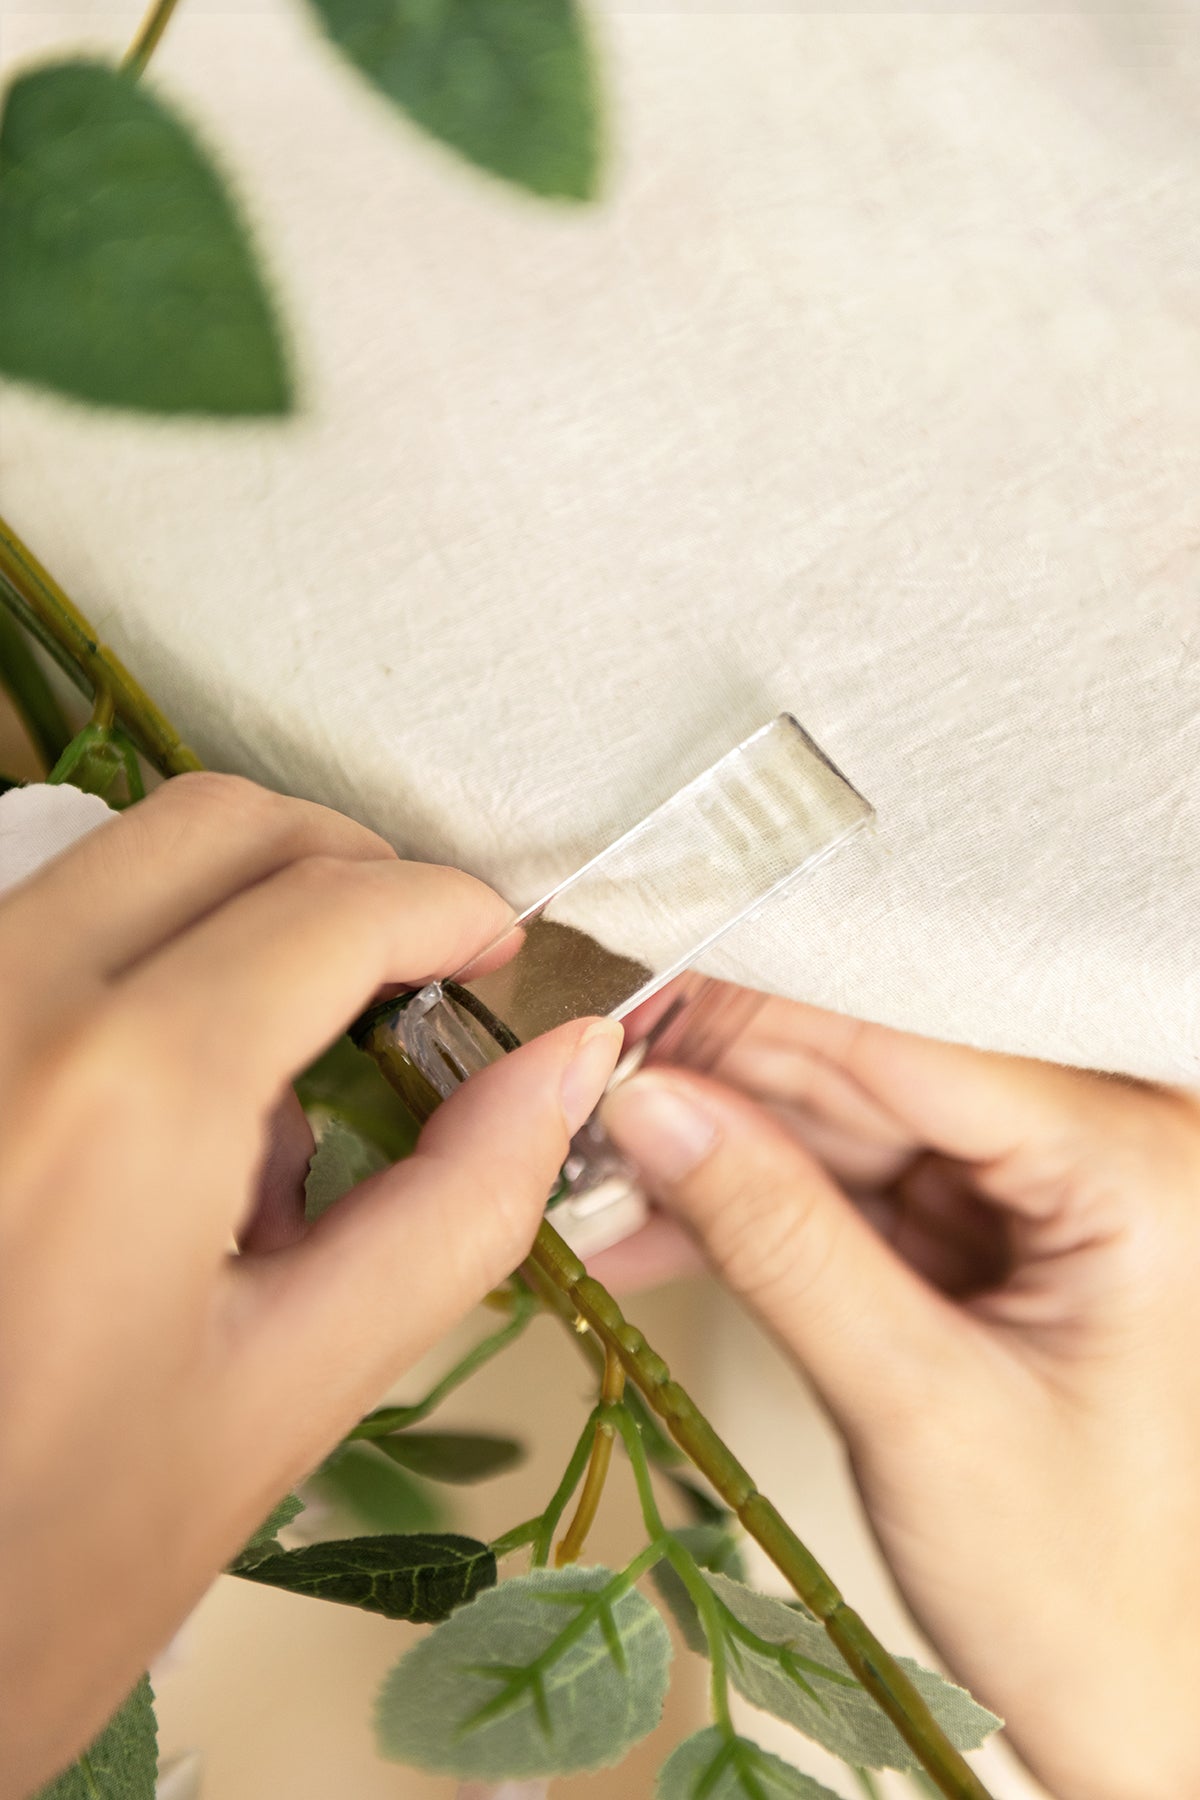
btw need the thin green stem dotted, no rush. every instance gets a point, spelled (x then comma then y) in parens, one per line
(516, 1538)
(635, 1449)
(32, 595)
(868, 1784)
(562, 1493)
(389, 1419)
(148, 34)
(24, 681)
(875, 1668)
(713, 1622)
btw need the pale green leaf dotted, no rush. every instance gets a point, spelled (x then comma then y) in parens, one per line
(843, 1719)
(723, 1768)
(360, 1490)
(126, 276)
(419, 1577)
(265, 1541)
(509, 83)
(455, 1456)
(504, 1689)
(122, 1763)
(340, 1161)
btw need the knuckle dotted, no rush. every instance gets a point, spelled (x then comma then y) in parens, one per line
(761, 1236)
(231, 798)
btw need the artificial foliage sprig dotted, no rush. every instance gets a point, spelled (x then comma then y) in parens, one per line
(109, 201)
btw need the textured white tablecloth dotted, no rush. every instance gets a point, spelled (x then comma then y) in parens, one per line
(872, 391)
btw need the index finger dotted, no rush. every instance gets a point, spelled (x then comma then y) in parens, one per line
(254, 991)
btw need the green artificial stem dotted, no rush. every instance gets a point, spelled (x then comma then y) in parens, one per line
(875, 1668)
(868, 1784)
(35, 598)
(24, 681)
(148, 36)
(39, 602)
(389, 1419)
(557, 1505)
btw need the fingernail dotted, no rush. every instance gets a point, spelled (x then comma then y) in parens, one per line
(587, 1072)
(665, 1132)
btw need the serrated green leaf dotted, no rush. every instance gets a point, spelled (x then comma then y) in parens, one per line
(455, 1456)
(509, 83)
(340, 1161)
(364, 1492)
(843, 1719)
(126, 276)
(265, 1541)
(122, 1763)
(718, 1767)
(713, 1547)
(512, 1687)
(421, 1577)
(348, 1084)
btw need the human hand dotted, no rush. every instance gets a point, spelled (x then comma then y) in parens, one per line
(988, 1268)
(162, 983)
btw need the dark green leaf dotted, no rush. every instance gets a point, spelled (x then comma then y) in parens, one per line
(416, 1577)
(265, 1541)
(509, 83)
(126, 276)
(365, 1492)
(724, 1768)
(122, 1764)
(454, 1456)
(504, 1688)
(843, 1718)
(347, 1083)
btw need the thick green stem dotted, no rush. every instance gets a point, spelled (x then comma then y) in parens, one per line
(149, 32)
(875, 1668)
(37, 601)
(24, 680)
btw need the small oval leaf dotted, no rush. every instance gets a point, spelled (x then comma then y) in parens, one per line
(126, 276)
(542, 1676)
(509, 83)
(358, 1491)
(421, 1577)
(732, 1768)
(454, 1456)
(839, 1715)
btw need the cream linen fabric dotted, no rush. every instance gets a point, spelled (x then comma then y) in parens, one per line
(872, 391)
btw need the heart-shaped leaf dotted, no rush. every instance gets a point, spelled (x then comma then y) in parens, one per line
(421, 1576)
(126, 276)
(509, 83)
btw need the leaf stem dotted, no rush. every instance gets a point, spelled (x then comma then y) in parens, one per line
(558, 1500)
(149, 32)
(24, 681)
(516, 1538)
(613, 1386)
(37, 601)
(876, 1669)
(868, 1784)
(388, 1419)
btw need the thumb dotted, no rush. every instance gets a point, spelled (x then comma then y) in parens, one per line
(787, 1241)
(385, 1273)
